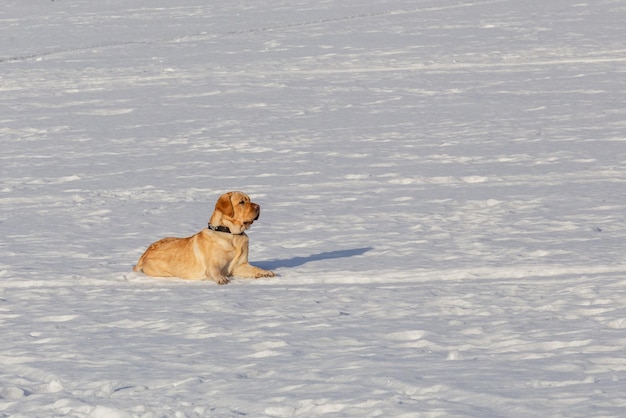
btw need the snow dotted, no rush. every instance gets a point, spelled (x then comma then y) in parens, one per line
(442, 193)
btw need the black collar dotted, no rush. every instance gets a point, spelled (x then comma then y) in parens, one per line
(221, 229)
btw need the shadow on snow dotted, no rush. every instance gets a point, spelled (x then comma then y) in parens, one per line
(298, 261)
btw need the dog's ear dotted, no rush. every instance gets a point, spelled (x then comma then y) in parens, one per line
(225, 206)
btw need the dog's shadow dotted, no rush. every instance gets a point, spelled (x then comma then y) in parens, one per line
(298, 261)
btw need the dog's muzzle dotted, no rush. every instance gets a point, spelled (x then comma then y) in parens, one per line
(258, 211)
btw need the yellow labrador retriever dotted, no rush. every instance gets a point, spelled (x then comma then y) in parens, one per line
(215, 253)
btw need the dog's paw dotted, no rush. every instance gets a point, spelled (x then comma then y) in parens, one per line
(222, 280)
(264, 273)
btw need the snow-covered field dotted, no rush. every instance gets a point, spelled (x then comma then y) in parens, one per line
(442, 186)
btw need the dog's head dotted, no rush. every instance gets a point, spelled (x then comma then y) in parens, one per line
(235, 211)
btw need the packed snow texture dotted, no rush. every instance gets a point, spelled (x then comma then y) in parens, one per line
(442, 187)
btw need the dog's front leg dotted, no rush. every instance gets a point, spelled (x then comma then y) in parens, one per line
(248, 271)
(215, 274)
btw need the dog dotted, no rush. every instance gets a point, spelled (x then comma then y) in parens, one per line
(215, 253)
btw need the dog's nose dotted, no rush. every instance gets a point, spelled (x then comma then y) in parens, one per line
(257, 209)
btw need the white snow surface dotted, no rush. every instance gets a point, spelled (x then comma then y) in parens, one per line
(442, 186)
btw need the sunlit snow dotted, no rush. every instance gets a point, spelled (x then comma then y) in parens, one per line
(442, 187)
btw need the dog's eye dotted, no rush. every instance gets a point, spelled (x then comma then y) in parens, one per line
(242, 202)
